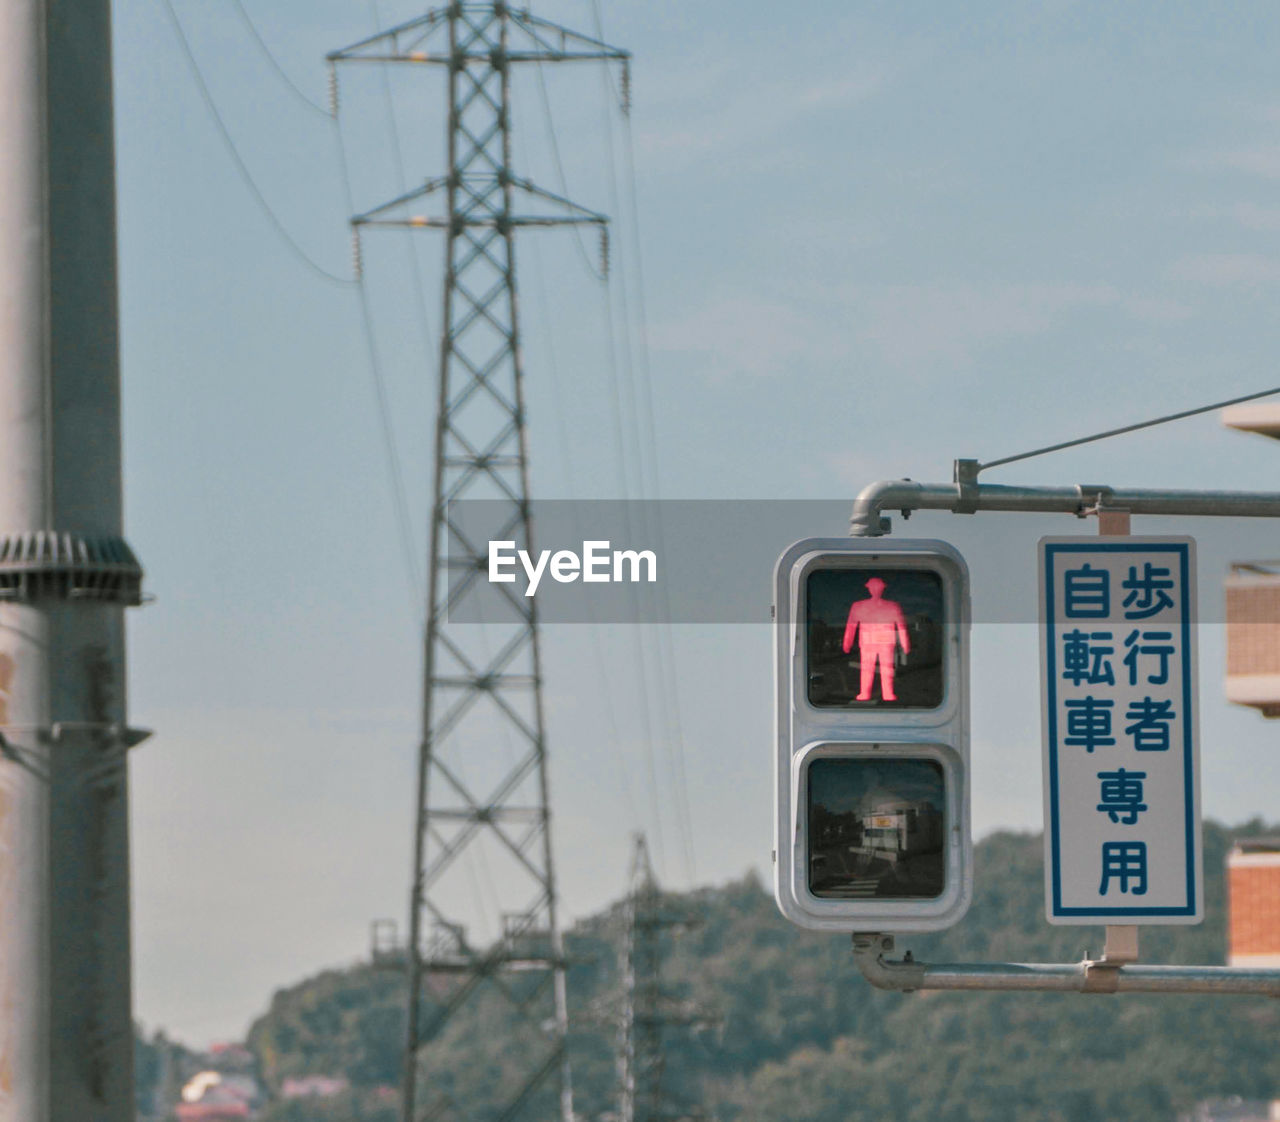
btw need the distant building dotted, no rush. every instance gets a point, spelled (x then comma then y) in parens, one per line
(1253, 896)
(902, 826)
(1234, 1109)
(213, 1096)
(1253, 636)
(313, 1086)
(229, 1056)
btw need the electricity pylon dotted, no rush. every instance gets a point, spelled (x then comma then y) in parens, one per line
(647, 1009)
(482, 685)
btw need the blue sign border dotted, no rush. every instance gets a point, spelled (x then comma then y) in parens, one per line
(1183, 550)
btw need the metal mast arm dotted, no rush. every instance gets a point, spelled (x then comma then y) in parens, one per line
(967, 496)
(1099, 975)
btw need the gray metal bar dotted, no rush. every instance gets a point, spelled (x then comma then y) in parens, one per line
(966, 496)
(472, 56)
(1128, 428)
(1087, 976)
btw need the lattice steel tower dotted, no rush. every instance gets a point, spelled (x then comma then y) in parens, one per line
(482, 771)
(647, 1008)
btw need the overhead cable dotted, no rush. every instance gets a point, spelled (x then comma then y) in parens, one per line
(1128, 428)
(207, 96)
(275, 63)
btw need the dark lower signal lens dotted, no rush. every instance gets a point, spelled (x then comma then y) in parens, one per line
(877, 828)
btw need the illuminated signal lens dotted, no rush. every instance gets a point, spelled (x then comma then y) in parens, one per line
(874, 638)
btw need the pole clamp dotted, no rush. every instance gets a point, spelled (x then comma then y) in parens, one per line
(965, 474)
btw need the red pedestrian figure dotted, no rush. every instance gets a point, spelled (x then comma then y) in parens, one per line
(879, 626)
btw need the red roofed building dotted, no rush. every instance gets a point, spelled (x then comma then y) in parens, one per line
(212, 1096)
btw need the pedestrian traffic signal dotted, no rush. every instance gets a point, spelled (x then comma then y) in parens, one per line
(872, 712)
(859, 647)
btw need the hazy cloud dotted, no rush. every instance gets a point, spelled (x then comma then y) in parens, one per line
(1260, 160)
(906, 326)
(1253, 217)
(923, 325)
(727, 109)
(752, 335)
(1228, 270)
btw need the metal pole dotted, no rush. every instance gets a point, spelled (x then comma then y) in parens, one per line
(65, 575)
(1087, 976)
(66, 1031)
(24, 812)
(967, 496)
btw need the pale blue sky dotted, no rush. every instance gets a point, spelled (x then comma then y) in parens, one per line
(875, 237)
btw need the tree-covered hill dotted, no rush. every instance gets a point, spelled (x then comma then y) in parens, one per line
(802, 1038)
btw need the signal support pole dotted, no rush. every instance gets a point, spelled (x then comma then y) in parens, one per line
(477, 695)
(66, 575)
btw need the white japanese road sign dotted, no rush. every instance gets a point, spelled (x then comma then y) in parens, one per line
(1119, 694)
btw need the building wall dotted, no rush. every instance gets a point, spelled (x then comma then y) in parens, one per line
(1253, 887)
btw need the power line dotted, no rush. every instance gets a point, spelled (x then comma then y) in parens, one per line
(646, 726)
(429, 340)
(645, 699)
(667, 690)
(666, 647)
(623, 398)
(1127, 428)
(602, 273)
(274, 62)
(644, 435)
(399, 498)
(395, 469)
(396, 473)
(598, 661)
(207, 96)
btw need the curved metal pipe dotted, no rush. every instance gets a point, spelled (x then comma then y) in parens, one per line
(967, 496)
(1088, 976)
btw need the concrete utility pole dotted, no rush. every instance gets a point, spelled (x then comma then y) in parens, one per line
(66, 575)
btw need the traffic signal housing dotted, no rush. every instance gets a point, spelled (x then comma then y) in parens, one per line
(871, 681)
